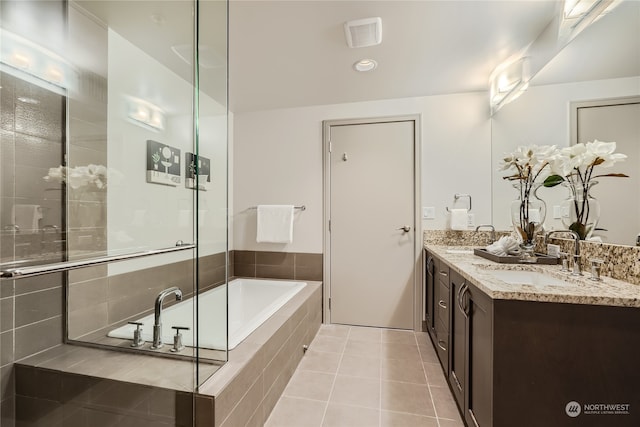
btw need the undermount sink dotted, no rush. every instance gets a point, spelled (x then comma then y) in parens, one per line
(526, 277)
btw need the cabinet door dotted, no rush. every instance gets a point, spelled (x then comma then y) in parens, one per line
(429, 303)
(479, 375)
(457, 342)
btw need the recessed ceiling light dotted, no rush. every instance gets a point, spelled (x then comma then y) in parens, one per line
(365, 65)
(27, 100)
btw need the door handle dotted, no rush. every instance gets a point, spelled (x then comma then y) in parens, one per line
(405, 228)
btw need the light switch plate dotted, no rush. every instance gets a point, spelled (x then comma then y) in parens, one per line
(553, 250)
(557, 212)
(429, 213)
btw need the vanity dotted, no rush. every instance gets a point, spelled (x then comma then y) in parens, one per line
(531, 346)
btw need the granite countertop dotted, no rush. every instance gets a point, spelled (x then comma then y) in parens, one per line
(571, 289)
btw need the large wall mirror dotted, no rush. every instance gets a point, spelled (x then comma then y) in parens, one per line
(600, 67)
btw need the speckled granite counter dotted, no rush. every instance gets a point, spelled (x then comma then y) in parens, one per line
(572, 290)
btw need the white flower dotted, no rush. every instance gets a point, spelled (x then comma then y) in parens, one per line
(605, 151)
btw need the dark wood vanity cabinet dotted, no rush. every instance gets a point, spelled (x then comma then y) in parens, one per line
(521, 363)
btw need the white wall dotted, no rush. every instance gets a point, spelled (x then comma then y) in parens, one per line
(278, 160)
(143, 215)
(541, 116)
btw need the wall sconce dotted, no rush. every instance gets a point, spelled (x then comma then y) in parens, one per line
(145, 114)
(507, 82)
(579, 14)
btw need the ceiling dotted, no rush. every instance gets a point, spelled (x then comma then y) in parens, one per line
(293, 53)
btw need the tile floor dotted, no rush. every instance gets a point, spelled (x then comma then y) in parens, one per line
(367, 377)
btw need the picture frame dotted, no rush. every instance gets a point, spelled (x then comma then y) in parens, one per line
(163, 164)
(197, 165)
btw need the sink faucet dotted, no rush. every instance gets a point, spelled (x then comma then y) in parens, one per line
(493, 231)
(157, 323)
(576, 256)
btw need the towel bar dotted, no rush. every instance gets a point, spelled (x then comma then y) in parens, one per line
(458, 196)
(302, 208)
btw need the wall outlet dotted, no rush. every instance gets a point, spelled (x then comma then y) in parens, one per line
(557, 212)
(429, 213)
(471, 220)
(553, 250)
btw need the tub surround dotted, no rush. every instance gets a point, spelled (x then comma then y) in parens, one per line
(278, 265)
(579, 290)
(620, 262)
(245, 389)
(97, 301)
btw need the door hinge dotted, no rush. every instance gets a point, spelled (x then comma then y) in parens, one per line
(329, 226)
(329, 303)
(330, 146)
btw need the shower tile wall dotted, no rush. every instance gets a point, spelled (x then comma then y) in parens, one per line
(31, 142)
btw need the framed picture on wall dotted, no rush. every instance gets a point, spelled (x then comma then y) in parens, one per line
(197, 165)
(163, 164)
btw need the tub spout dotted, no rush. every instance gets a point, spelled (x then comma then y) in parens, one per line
(157, 322)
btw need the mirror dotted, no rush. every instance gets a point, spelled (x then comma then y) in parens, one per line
(602, 66)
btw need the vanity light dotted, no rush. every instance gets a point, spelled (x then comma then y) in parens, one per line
(365, 65)
(507, 82)
(35, 64)
(579, 14)
(145, 114)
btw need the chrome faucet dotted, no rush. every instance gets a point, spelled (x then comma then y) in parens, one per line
(576, 256)
(157, 323)
(491, 228)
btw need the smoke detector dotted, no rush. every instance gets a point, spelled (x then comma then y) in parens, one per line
(363, 32)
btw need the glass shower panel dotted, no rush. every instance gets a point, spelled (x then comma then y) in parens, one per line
(133, 176)
(211, 173)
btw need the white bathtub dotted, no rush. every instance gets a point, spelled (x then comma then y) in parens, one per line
(251, 302)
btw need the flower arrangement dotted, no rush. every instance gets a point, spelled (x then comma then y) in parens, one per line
(532, 165)
(80, 176)
(576, 170)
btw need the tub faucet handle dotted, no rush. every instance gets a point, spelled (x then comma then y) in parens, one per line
(137, 335)
(177, 339)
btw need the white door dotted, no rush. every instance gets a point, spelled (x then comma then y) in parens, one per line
(619, 197)
(372, 224)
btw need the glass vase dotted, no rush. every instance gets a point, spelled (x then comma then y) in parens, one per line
(528, 212)
(581, 211)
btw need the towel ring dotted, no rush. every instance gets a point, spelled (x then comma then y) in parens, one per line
(458, 196)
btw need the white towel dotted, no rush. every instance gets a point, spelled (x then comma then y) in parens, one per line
(27, 217)
(275, 224)
(459, 219)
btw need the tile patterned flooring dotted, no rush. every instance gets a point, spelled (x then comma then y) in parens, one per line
(367, 377)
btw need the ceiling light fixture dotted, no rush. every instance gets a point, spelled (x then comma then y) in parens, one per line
(507, 82)
(363, 32)
(365, 65)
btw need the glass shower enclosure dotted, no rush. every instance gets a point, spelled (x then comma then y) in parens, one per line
(113, 203)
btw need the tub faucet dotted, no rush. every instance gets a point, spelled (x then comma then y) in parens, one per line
(157, 323)
(576, 256)
(491, 228)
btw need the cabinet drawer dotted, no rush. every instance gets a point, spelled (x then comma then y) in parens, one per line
(442, 304)
(443, 274)
(441, 343)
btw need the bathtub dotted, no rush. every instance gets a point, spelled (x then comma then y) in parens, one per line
(251, 302)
